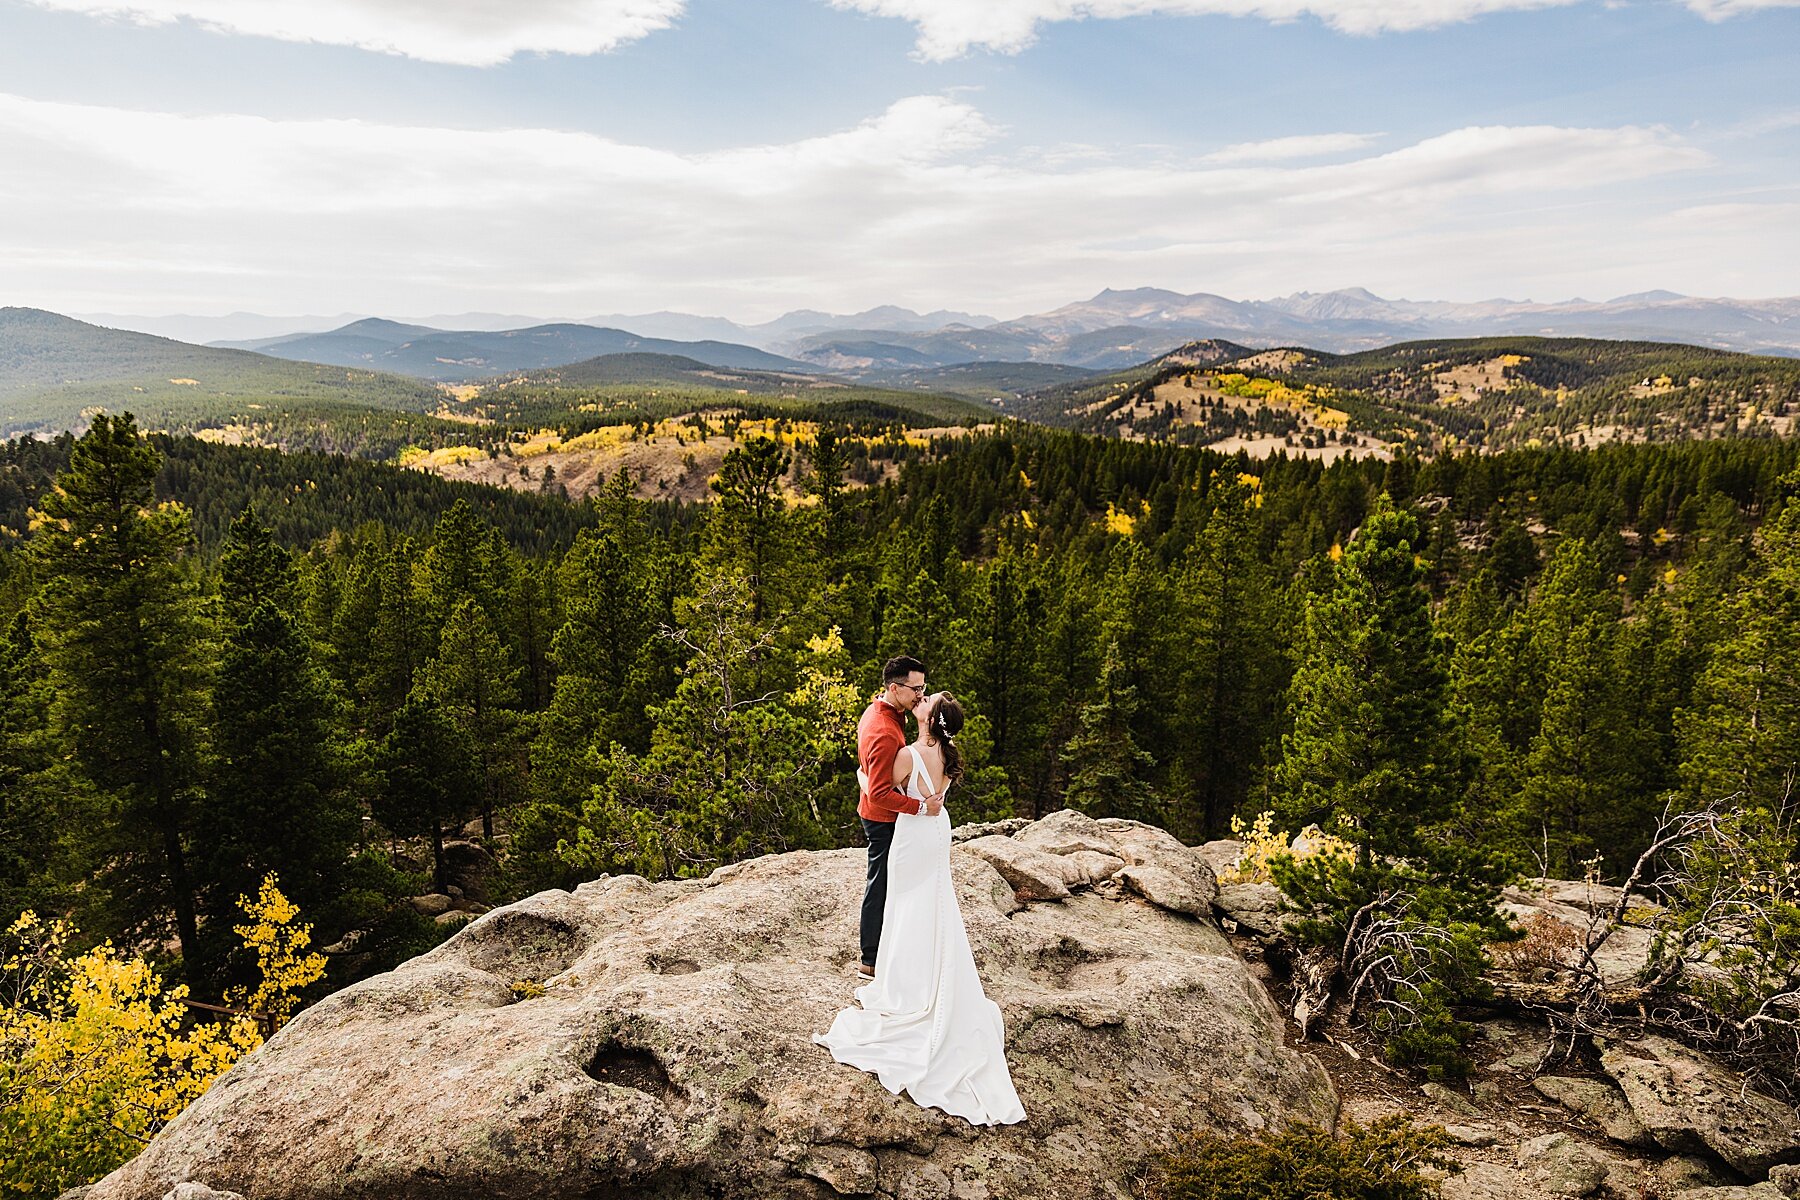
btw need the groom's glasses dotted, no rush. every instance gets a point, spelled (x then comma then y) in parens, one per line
(917, 689)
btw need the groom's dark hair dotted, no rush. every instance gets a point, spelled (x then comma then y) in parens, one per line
(899, 667)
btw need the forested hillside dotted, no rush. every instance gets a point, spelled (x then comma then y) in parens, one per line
(1124, 620)
(1488, 393)
(407, 699)
(453, 354)
(54, 370)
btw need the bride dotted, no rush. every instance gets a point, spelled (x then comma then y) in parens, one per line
(925, 1025)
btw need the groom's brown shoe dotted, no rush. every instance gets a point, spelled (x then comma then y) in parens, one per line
(865, 970)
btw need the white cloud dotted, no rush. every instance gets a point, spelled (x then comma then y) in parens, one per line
(1733, 217)
(486, 32)
(470, 32)
(1306, 145)
(949, 28)
(1720, 10)
(111, 209)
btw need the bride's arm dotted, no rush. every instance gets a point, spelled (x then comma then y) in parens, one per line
(903, 766)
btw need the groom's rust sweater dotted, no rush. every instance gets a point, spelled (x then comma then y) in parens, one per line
(879, 735)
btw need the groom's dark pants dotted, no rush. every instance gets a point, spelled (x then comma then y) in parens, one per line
(881, 836)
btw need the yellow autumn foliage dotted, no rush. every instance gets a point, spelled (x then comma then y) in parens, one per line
(1263, 844)
(597, 439)
(97, 1054)
(1119, 521)
(1309, 398)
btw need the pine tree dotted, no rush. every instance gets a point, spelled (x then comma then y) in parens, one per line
(1371, 744)
(1741, 735)
(920, 592)
(1578, 769)
(466, 560)
(397, 645)
(747, 526)
(1108, 772)
(1004, 664)
(127, 648)
(277, 801)
(44, 808)
(475, 683)
(827, 460)
(1493, 703)
(1511, 553)
(1232, 690)
(530, 605)
(255, 569)
(1069, 657)
(429, 777)
(732, 770)
(1136, 601)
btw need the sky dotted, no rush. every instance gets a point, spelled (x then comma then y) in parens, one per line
(567, 158)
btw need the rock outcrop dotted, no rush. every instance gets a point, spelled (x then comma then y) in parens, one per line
(669, 1055)
(1690, 1103)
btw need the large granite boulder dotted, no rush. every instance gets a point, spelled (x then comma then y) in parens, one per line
(469, 866)
(1190, 879)
(1558, 1164)
(670, 1055)
(1600, 1102)
(1689, 1103)
(1259, 908)
(1032, 874)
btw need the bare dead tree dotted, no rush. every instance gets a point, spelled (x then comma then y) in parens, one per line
(1724, 969)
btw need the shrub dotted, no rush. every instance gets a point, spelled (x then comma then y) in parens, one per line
(1548, 944)
(1388, 1159)
(1263, 844)
(97, 1055)
(1411, 945)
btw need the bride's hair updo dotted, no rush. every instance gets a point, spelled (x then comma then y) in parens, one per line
(945, 722)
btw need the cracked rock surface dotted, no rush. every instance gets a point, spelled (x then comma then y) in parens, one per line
(670, 1054)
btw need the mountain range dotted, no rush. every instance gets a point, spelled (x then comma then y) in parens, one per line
(1117, 328)
(1110, 330)
(385, 384)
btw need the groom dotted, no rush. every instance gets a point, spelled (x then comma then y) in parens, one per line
(879, 735)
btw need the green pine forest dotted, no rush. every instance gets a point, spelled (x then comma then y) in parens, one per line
(220, 661)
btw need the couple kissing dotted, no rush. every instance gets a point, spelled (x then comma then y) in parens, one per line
(924, 1025)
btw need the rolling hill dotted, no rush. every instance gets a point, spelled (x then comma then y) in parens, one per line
(647, 368)
(635, 387)
(1486, 393)
(53, 369)
(447, 355)
(997, 383)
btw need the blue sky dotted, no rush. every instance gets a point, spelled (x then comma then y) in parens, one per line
(572, 157)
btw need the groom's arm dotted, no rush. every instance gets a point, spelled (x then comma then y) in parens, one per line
(877, 749)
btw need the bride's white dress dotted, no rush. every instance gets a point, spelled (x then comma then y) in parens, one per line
(925, 1026)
